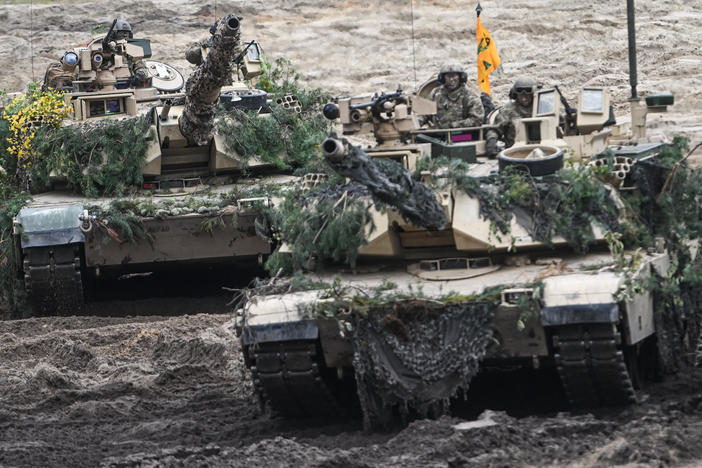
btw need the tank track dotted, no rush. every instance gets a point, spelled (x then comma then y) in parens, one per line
(52, 278)
(287, 376)
(592, 366)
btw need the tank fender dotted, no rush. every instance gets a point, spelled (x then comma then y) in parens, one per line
(280, 318)
(286, 331)
(49, 225)
(580, 298)
(579, 313)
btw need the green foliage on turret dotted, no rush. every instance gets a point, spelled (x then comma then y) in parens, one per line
(565, 204)
(290, 136)
(96, 158)
(326, 224)
(103, 158)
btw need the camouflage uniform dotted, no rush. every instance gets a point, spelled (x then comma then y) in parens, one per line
(458, 108)
(506, 131)
(123, 32)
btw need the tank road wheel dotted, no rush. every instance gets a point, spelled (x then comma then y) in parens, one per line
(53, 280)
(592, 365)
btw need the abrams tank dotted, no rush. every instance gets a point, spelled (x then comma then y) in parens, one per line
(458, 263)
(190, 205)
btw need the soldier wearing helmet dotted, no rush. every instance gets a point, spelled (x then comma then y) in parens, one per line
(60, 75)
(456, 105)
(123, 30)
(519, 107)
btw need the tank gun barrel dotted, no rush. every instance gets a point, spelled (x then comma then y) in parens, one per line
(204, 85)
(414, 200)
(334, 149)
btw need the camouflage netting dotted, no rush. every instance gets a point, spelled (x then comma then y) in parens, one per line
(282, 138)
(287, 137)
(411, 356)
(390, 183)
(326, 224)
(329, 222)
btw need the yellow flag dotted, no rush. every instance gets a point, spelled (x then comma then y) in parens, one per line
(488, 58)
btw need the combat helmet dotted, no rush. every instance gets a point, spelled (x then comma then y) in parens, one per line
(452, 67)
(123, 26)
(522, 85)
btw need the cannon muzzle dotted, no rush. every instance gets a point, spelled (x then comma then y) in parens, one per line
(334, 149)
(231, 26)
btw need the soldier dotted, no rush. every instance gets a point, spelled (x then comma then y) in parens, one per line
(456, 105)
(123, 31)
(519, 107)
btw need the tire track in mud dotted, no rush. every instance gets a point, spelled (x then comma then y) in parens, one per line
(78, 388)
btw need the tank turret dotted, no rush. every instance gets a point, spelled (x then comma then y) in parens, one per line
(203, 88)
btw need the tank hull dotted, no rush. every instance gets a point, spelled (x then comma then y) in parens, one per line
(580, 327)
(64, 246)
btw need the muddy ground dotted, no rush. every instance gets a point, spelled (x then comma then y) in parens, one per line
(173, 391)
(158, 390)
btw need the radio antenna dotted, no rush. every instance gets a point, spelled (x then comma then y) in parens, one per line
(31, 35)
(414, 54)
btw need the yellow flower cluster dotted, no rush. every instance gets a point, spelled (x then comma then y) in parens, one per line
(26, 114)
